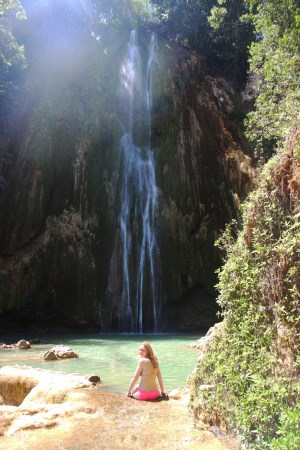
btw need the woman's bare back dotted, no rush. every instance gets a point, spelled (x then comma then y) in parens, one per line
(148, 375)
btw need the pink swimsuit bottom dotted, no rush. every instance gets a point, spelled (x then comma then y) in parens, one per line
(148, 395)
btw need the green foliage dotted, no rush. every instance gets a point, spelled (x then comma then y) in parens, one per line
(254, 365)
(125, 14)
(217, 15)
(288, 431)
(275, 63)
(12, 56)
(213, 28)
(12, 61)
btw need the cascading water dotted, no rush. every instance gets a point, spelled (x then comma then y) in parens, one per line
(133, 282)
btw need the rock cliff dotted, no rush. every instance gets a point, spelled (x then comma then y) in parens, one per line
(58, 209)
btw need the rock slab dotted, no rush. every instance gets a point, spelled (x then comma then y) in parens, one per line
(59, 352)
(65, 411)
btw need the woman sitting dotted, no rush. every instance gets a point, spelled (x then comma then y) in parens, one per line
(148, 370)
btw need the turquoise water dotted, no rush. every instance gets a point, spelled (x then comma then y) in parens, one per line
(112, 357)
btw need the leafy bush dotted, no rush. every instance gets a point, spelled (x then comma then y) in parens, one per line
(288, 431)
(254, 366)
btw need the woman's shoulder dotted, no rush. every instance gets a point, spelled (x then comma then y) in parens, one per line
(145, 361)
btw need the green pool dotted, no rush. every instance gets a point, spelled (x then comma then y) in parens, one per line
(112, 357)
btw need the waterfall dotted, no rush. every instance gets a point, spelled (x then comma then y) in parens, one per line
(133, 281)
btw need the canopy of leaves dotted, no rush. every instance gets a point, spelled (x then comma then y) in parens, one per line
(12, 56)
(275, 63)
(212, 28)
(119, 13)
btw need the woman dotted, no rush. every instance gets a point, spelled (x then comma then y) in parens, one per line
(148, 370)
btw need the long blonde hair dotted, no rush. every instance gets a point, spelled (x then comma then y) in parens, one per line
(150, 354)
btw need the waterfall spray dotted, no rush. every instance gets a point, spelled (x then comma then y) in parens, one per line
(135, 299)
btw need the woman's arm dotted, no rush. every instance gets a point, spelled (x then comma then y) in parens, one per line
(159, 377)
(135, 378)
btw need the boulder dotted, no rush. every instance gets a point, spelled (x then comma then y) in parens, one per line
(35, 341)
(203, 344)
(23, 345)
(179, 393)
(59, 352)
(94, 378)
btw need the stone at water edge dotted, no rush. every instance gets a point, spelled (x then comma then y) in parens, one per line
(179, 393)
(23, 345)
(94, 378)
(59, 352)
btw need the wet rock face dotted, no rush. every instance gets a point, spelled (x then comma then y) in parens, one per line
(58, 211)
(203, 172)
